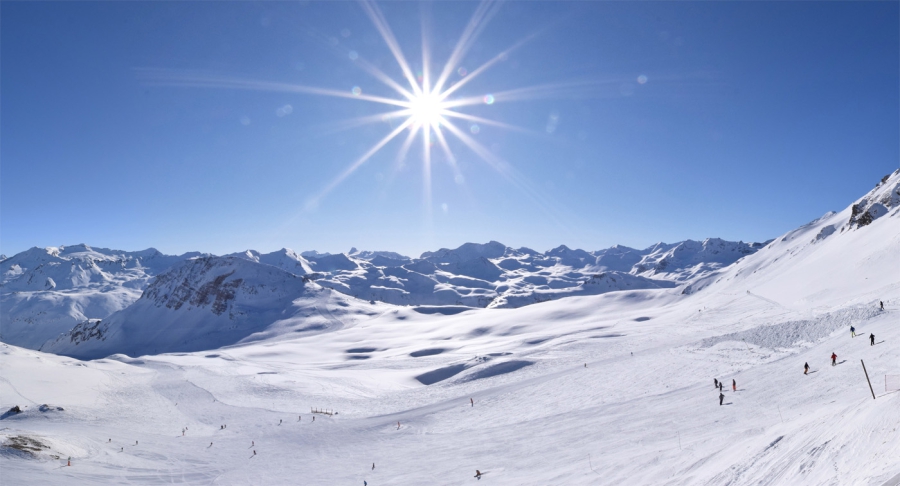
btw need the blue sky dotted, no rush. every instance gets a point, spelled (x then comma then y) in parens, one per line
(665, 121)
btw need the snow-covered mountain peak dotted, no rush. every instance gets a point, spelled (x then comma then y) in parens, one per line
(467, 251)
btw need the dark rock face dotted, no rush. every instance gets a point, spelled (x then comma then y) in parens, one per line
(877, 202)
(12, 411)
(195, 284)
(88, 330)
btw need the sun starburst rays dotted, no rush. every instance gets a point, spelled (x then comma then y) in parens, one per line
(425, 105)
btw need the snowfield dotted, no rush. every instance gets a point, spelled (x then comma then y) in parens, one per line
(612, 387)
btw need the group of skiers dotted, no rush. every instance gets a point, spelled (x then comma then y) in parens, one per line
(852, 335)
(871, 335)
(720, 385)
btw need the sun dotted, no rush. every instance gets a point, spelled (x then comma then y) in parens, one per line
(426, 109)
(428, 104)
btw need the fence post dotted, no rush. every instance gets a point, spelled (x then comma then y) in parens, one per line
(867, 379)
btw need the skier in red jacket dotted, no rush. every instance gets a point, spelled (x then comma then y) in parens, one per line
(833, 359)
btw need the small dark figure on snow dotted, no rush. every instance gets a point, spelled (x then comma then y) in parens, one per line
(299, 418)
(882, 304)
(805, 368)
(314, 418)
(715, 383)
(472, 402)
(833, 359)
(477, 474)
(210, 444)
(279, 421)
(254, 452)
(871, 339)
(733, 385)
(852, 331)
(398, 425)
(373, 466)
(721, 398)
(110, 440)
(720, 386)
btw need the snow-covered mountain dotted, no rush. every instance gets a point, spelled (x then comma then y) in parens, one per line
(46, 291)
(860, 243)
(206, 303)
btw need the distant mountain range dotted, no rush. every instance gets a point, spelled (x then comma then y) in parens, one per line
(99, 300)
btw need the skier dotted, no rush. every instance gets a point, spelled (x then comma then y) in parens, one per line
(882, 304)
(733, 385)
(720, 386)
(833, 359)
(314, 418)
(299, 418)
(210, 444)
(135, 442)
(122, 449)
(715, 383)
(721, 397)
(254, 452)
(69, 461)
(252, 444)
(852, 332)
(373, 466)
(477, 474)
(398, 425)
(805, 368)
(871, 339)
(472, 401)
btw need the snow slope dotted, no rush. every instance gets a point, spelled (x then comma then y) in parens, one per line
(614, 388)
